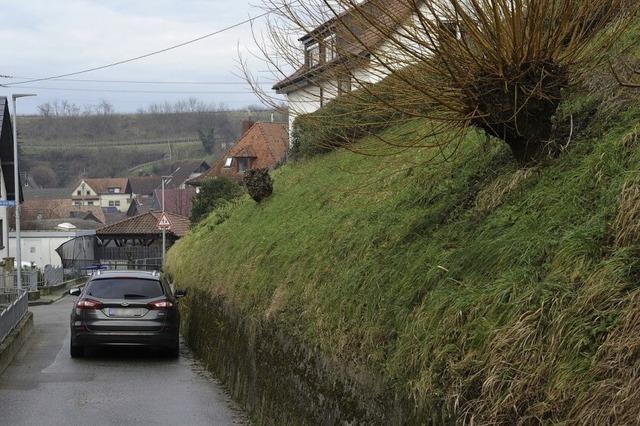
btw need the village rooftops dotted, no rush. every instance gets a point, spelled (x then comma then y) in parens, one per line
(46, 214)
(176, 200)
(144, 185)
(182, 171)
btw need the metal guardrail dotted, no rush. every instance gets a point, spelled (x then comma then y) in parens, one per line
(13, 309)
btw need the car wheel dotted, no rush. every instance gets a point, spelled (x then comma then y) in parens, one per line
(76, 351)
(173, 351)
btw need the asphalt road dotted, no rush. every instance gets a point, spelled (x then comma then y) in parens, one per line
(44, 386)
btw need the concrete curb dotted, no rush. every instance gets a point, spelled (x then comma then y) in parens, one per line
(47, 301)
(14, 341)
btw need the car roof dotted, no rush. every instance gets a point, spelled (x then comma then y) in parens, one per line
(126, 274)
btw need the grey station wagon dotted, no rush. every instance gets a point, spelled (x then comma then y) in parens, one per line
(130, 308)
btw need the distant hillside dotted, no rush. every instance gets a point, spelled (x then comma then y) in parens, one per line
(57, 149)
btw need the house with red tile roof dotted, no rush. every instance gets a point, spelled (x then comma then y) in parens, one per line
(263, 146)
(104, 192)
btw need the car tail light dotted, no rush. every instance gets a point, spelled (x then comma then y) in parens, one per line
(88, 304)
(160, 304)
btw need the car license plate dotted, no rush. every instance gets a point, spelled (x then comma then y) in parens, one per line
(124, 312)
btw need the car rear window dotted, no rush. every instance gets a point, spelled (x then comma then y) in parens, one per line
(124, 288)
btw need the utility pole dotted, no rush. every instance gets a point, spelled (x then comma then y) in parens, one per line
(16, 187)
(164, 231)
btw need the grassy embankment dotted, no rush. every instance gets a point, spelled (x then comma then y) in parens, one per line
(475, 287)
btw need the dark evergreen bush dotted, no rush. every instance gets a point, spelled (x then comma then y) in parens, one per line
(259, 184)
(213, 193)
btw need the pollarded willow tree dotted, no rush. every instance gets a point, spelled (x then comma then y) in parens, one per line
(497, 65)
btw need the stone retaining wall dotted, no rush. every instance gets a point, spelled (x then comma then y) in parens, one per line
(278, 380)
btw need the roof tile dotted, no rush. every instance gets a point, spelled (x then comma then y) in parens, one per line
(145, 224)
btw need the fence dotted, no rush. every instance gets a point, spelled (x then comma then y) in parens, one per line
(30, 280)
(125, 253)
(150, 264)
(13, 307)
(53, 275)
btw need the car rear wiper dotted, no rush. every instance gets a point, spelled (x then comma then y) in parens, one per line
(135, 296)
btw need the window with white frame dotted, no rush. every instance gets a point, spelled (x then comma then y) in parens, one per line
(112, 203)
(313, 55)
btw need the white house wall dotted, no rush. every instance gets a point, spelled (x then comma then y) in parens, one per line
(387, 58)
(123, 198)
(40, 247)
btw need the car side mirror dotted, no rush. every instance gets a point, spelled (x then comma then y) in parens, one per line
(75, 291)
(180, 293)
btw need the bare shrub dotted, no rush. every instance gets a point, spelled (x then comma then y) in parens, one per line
(498, 65)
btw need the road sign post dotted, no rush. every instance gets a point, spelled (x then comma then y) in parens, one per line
(164, 223)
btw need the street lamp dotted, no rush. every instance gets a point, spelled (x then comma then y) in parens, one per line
(16, 183)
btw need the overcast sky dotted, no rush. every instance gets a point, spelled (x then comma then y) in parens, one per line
(44, 37)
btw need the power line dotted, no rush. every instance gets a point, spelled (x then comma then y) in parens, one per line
(176, 92)
(146, 55)
(80, 80)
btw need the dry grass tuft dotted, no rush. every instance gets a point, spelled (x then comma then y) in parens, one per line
(630, 140)
(278, 302)
(627, 223)
(614, 397)
(495, 193)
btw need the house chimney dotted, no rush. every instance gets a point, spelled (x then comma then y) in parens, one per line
(246, 125)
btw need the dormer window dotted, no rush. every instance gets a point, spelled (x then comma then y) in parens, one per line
(244, 164)
(313, 55)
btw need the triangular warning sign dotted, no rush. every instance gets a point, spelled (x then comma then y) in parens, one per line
(164, 222)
